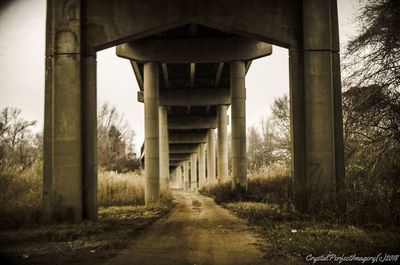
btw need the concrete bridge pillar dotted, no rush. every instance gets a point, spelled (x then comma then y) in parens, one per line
(70, 129)
(185, 176)
(193, 171)
(211, 155)
(316, 114)
(222, 151)
(164, 146)
(181, 182)
(151, 129)
(202, 164)
(238, 112)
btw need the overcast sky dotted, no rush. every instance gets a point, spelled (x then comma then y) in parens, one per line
(22, 42)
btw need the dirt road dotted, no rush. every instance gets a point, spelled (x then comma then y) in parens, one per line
(197, 231)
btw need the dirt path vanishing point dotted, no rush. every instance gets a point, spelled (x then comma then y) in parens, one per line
(197, 231)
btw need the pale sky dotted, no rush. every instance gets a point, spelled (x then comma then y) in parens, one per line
(22, 43)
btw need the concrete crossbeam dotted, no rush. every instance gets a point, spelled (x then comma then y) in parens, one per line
(179, 157)
(192, 97)
(176, 163)
(196, 50)
(195, 97)
(192, 122)
(187, 137)
(182, 148)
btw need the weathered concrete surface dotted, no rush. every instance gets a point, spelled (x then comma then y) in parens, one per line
(187, 137)
(222, 147)
(211, 155)
(238, 135)
(196, 50)
(207, 235)
(193, 172)
(202, 164)
(152, 158)
(273, 21)
(164, 146)
(184, 122)
(195, 97)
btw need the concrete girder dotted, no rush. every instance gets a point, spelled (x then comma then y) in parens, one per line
(138, 74)
(196, 50)
(176, 163)
(192, 97)
(182, 148)
(195, 97)
(179, 157)
(192, 122)
(187, 137)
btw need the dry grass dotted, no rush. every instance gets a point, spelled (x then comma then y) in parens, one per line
(21, 195)
(274, 189)
(84, 243)
(120, 189)
(289, 236)
(121, 215)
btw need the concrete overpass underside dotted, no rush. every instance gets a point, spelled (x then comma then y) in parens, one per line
(190, 59)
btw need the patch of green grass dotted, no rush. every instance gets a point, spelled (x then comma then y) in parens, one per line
(291, 236)
(116, 227)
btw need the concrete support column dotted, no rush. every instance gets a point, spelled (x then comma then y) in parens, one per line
(178, 184)
(63, 166)
(202, 164)
(164, 146)
(297, 128)
(193, 171)
(89, 134)
(320, 142)
(222, 151)
(238, 112)
(151, 130)
(185, 176)
(211, 155)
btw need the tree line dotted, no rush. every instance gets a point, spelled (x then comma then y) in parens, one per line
(20, 147)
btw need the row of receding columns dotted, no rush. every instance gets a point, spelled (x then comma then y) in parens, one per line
(205, 158)
(157, 145)
(70, 170)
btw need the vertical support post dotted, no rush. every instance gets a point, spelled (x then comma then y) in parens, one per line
(323, 131)
(62, 179)
(202, 164)
(164, 146)
(185, 176)
(238, 112)
(178, 183)
(338, 115)
(211, 155)
(297, 129)
(89, 133)
(193, 171)
(152, 157)
(222, 151)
